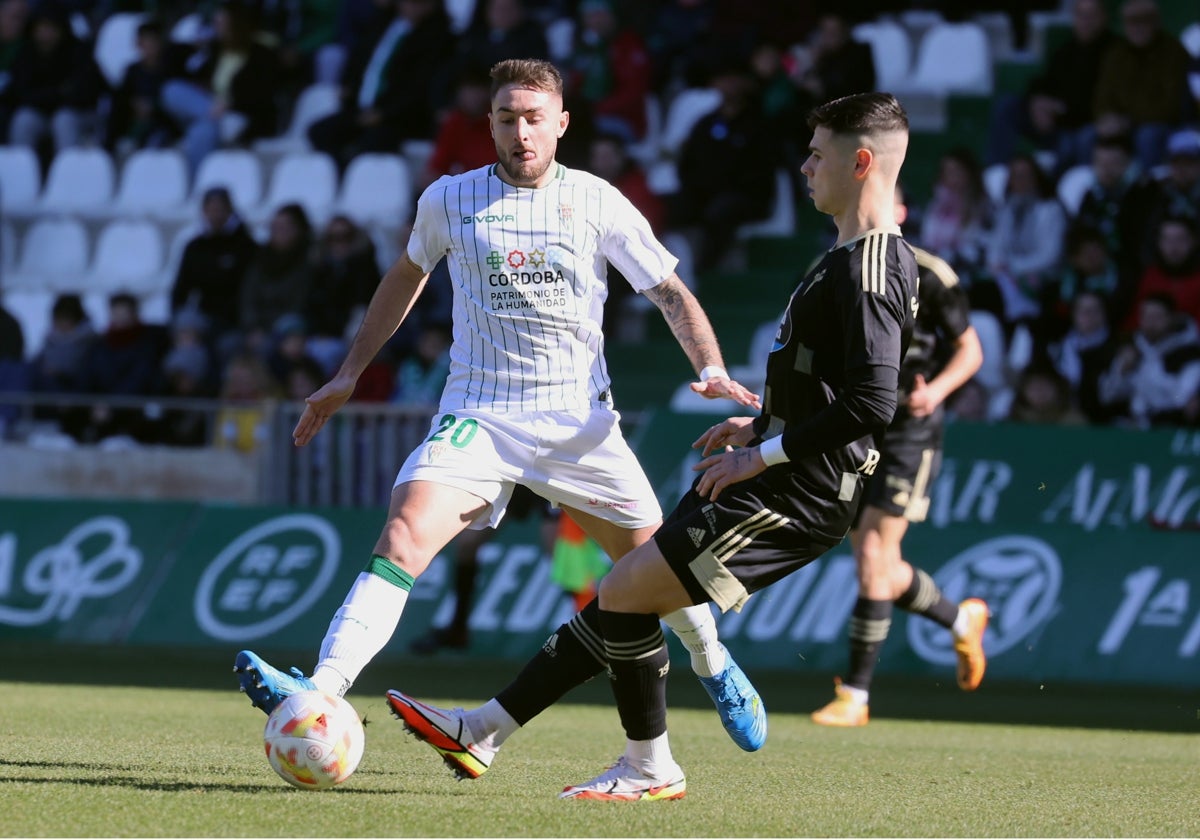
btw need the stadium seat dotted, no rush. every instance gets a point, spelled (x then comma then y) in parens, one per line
(995, 181)
(891, 50)
(1190, 38)
(8, 249)
(20, 180)
(54, 256)
(678, 244)
(190, 29)
(309, 179)
(417, 154)
(152, 180)
(235, 169)
(116, 44)
(129, 258)
(993, 374)
(31, 308)
(953, 58)
(683, 113)
(460, 13)
(782, 221)
(1073, 186)
(646, 150)
(313, 103)
(560, 39)
(80, 180)
(376, 189)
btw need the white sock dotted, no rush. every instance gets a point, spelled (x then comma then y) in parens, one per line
(359, 630)
(651, 758)
(859, 695)
(697, 629)
(961, 624)
(490, 724)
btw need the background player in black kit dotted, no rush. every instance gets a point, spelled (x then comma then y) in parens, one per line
(943, 354)
(782, 489)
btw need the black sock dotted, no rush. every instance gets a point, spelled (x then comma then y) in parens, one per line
(923, 597)
(465, 572)
(571, 656)
(638, 662)
(869, 625)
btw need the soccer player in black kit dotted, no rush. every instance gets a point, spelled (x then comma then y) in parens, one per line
(943, 354)
(775, 491)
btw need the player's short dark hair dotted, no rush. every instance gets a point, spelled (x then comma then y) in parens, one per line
(860, 113)
(531, 72)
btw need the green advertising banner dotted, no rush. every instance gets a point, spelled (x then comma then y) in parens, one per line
(1083, 542)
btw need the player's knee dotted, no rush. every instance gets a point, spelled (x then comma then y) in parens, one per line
(396, 543)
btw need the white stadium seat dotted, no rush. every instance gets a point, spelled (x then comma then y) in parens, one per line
(782, 221)
(377, 188)
(647, 150)
(116, 44)
(313, 103)
(1073, 186)
(80, 180)
(129, 258)
(995, 181)
(953, 58)
(306, 178)
(460, 13)
(20, 180)
(891, 50)
(560, 38)
(8, 249)
(237, 170)
(152, 180)
(683, 113)
(31, 308)
(54, 255)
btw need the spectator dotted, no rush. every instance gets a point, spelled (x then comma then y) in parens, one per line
(1118, 203)
(1025, 245)
(125, 360)
(1175, 270)
(1090, 268)
(1055, 113)
(359, 23)
(1156, 374)
(303, 377)
(345, 276)
(54, 86)
(280, 278)
(242, 422)
(1085, 352)
(136, 118)
(14, 14)
(782, 103)
(298, 30)
(186, 373)
(59, 365)
(608, 74)
(227, 91)
(956, 221)
(464, 136)
(501, 29)
(679, 37)
(393, 88)
(288, 346)
(969, 403)
(1142, 85)
(214, 264)
(1044, 396)
(726, 168)
(1178, 192)
(421, 376)
(836, 65)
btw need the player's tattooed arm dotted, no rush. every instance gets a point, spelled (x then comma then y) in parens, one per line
(695, 335)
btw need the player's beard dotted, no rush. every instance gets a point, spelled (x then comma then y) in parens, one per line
(525, 172)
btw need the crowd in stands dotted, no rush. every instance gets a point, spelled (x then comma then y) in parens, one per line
(1103, 290)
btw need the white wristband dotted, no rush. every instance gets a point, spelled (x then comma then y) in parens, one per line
(772, 451)
(713, 371)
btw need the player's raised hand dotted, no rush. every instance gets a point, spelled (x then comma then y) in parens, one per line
(321, 406)
(726, 468)
(718, 387)
(736, 431)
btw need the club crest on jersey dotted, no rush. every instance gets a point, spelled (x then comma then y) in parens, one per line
(565, 212)
(434, 451)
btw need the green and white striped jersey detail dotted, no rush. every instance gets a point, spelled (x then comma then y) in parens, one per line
(529, 274)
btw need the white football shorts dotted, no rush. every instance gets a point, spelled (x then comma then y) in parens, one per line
(577, 459)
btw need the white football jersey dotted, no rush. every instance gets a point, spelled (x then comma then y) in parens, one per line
(529, 270)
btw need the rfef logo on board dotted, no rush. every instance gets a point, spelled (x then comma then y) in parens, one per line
(267, 578)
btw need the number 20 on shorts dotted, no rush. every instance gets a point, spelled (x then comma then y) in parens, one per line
(459, 432)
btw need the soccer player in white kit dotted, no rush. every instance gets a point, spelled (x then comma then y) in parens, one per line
(528, 399)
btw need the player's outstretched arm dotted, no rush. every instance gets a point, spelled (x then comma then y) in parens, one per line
(695, 335)
(390, 305)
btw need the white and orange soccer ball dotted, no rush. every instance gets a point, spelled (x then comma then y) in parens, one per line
(314, 740)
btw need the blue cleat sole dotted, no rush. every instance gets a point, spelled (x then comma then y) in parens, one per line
(264, 685)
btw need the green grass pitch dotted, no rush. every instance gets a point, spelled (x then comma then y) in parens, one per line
(91, 747)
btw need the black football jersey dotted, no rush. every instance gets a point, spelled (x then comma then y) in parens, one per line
(944, 314)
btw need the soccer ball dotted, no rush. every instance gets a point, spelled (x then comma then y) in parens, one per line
(314, 740)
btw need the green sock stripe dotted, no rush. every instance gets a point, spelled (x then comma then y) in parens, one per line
(389, 571)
